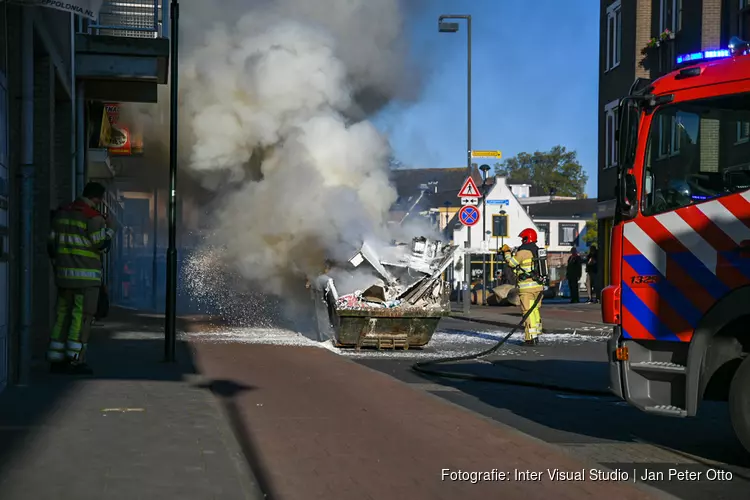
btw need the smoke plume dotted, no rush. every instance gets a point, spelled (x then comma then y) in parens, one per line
(274, 101)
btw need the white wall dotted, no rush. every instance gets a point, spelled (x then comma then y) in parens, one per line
(554, 236)
(503, 199)
(520, 190)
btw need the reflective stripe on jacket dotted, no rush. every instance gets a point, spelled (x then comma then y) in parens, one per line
(522, 262)
(79, 234)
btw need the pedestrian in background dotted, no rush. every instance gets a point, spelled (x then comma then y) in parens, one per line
(573, 274)
(592, 269)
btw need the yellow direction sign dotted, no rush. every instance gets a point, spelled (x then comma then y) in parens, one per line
(487, 154)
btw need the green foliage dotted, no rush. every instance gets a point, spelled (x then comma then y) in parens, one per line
(591, 236)
(556, 169)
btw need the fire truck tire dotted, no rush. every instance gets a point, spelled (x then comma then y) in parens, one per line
(739, 403)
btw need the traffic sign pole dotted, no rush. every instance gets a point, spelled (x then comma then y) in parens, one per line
(468, 215)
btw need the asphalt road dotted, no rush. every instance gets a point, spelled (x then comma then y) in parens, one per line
(598, 428)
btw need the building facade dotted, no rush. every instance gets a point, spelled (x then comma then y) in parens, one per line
(55, 63)
(641, 39)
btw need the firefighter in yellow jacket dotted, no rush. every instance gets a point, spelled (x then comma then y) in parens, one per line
(79, 236)
(530, 283)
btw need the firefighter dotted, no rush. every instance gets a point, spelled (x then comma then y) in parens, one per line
(79, 236)
(530, 282)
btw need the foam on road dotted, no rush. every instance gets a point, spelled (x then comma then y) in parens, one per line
(446, 342)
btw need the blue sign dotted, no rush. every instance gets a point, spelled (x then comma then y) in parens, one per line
(498, 202)
(468, 215)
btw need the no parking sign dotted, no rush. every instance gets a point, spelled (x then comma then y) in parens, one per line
(468, 215)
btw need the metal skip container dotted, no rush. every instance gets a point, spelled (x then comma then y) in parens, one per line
(403, 306)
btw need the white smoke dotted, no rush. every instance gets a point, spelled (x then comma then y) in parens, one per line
(274, 107)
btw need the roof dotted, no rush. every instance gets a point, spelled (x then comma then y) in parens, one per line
(408, 181)
(564, 209)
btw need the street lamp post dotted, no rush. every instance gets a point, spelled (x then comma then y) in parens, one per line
(444, 27)
(484, 169)
(487, 235)
(502, 213)
(170, 313)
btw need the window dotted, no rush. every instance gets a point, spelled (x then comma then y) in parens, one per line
(744, 19)
(500, 226)
(743, 132)
(567, 234)
(675, 135)
(614, 38)
(610, 142)
(670, 15)
(670, 136)
(709, 166)
(544, 227)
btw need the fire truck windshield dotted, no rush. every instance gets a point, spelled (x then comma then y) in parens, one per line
(697, 150)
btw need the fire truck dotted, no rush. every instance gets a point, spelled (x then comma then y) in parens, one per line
(679, 297)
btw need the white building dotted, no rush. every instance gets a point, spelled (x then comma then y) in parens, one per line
(502, 218)
(564, 225)
(559, 221)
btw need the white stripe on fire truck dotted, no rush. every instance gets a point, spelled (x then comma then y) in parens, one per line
(690, 239)
(646, 246)
(725, 220)
(746, 195)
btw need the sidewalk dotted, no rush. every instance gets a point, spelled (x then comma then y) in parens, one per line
(319, 426)
(137, 429)
(558, 316)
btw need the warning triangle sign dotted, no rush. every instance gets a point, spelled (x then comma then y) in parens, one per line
(469, 189)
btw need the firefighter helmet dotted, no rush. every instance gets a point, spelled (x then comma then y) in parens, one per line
(528, 235)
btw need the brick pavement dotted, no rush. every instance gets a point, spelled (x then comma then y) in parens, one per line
(557, 317)
(136, 430)
(318, 425)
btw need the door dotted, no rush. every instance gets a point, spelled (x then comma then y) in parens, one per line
(687, 248)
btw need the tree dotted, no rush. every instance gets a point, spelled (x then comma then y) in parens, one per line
(591, 236)
(556, 171)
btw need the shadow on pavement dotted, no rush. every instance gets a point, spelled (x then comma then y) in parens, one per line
(604, 418)
(128, 347)
(227, 391)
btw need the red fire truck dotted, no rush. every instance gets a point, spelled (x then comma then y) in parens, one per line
(680, 245)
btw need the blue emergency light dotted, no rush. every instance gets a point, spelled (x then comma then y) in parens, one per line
(703, 55)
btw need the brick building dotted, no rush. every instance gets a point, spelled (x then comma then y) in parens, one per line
(56, 62)
(626, 28)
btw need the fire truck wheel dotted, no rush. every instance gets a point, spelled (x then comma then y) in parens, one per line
(739, 403)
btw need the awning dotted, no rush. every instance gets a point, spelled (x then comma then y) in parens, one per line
(99, 165)
(86, 8)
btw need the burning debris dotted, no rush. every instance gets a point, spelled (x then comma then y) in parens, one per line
(402, 304)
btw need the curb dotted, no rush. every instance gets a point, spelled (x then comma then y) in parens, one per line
(504, 324)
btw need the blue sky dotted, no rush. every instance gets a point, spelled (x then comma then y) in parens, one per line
(534, 83)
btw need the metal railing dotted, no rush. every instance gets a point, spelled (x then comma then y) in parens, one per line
(130, 18)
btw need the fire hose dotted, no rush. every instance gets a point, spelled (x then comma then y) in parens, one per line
(422, 366)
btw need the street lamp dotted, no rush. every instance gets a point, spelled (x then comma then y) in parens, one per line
(170, 313)
(487, 237)
(484, 168)
(501, 213)
(445, 27)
